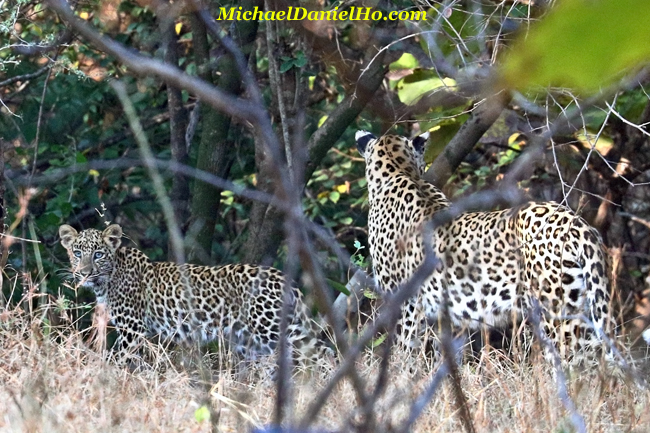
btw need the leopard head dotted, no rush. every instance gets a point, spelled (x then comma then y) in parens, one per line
(391, 155)
(92, 255)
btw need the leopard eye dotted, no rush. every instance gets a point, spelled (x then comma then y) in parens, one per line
(98, 255)
(77, 253)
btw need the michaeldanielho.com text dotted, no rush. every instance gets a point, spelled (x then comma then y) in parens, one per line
(300, 13)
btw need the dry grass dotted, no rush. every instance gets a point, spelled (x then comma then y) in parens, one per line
(64, 386)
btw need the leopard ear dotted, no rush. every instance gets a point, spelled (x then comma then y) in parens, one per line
(67, 235)
(363, 138)
(420, 142)
(112, 236)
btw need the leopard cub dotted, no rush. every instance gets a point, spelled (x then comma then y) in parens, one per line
(184, 303)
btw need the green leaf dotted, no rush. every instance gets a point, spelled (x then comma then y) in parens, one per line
(370, 294)
(301, 59)
(440, 136)
(338, 287)
(285, 66)
(582, 44)
(111, 153)
(202, 414)
(419, 83)
(377, 341)
(407, 61)
(48, 219)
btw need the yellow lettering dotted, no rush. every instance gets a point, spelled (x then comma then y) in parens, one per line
(296, 15)
(257, 14)
(362, 14)
(223, 15)
(315, 15)
(418, 15)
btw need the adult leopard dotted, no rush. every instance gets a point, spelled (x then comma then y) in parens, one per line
(492, 264)
(184, 303)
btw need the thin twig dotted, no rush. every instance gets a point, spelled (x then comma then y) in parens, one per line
(423, 399)
(636, 219)
(534, 317)
(58, 174)
(39, 120)
(275, 81)
(176, 237)
(27, 77)
(387, 319)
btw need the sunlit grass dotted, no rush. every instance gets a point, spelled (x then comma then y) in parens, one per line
(62, 384)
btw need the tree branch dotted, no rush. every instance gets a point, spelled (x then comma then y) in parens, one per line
(177, 124)
(483, 116)
(215, 153)
(338, 121)
(32, 50)
(26, 77)
(173, 76)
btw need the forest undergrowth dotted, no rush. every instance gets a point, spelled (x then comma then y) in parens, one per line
(54, 380)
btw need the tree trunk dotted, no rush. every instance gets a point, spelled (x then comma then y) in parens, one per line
(265, 226)
(177, 124)
(216, 152)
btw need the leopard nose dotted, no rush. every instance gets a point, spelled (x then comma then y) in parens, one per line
(85, 268)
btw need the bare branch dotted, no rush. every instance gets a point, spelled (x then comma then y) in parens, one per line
(420, 403)
(27, 77)
(177, 124)
(142, 65)
(39, 120)
(483, 116)
(32, 50)
(560, 379)
(57, 175)
(176, 238)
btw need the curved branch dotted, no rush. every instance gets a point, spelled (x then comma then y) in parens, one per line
(32, 50)
(142, 65)
(241, 109)
(464, 141)
(337, 122)
(26, 77)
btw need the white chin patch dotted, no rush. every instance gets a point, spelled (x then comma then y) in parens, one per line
(646, 335)
(87, 283)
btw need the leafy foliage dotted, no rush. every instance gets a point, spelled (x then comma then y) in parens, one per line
(581, 44)
(66, 123)
(70, 157)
